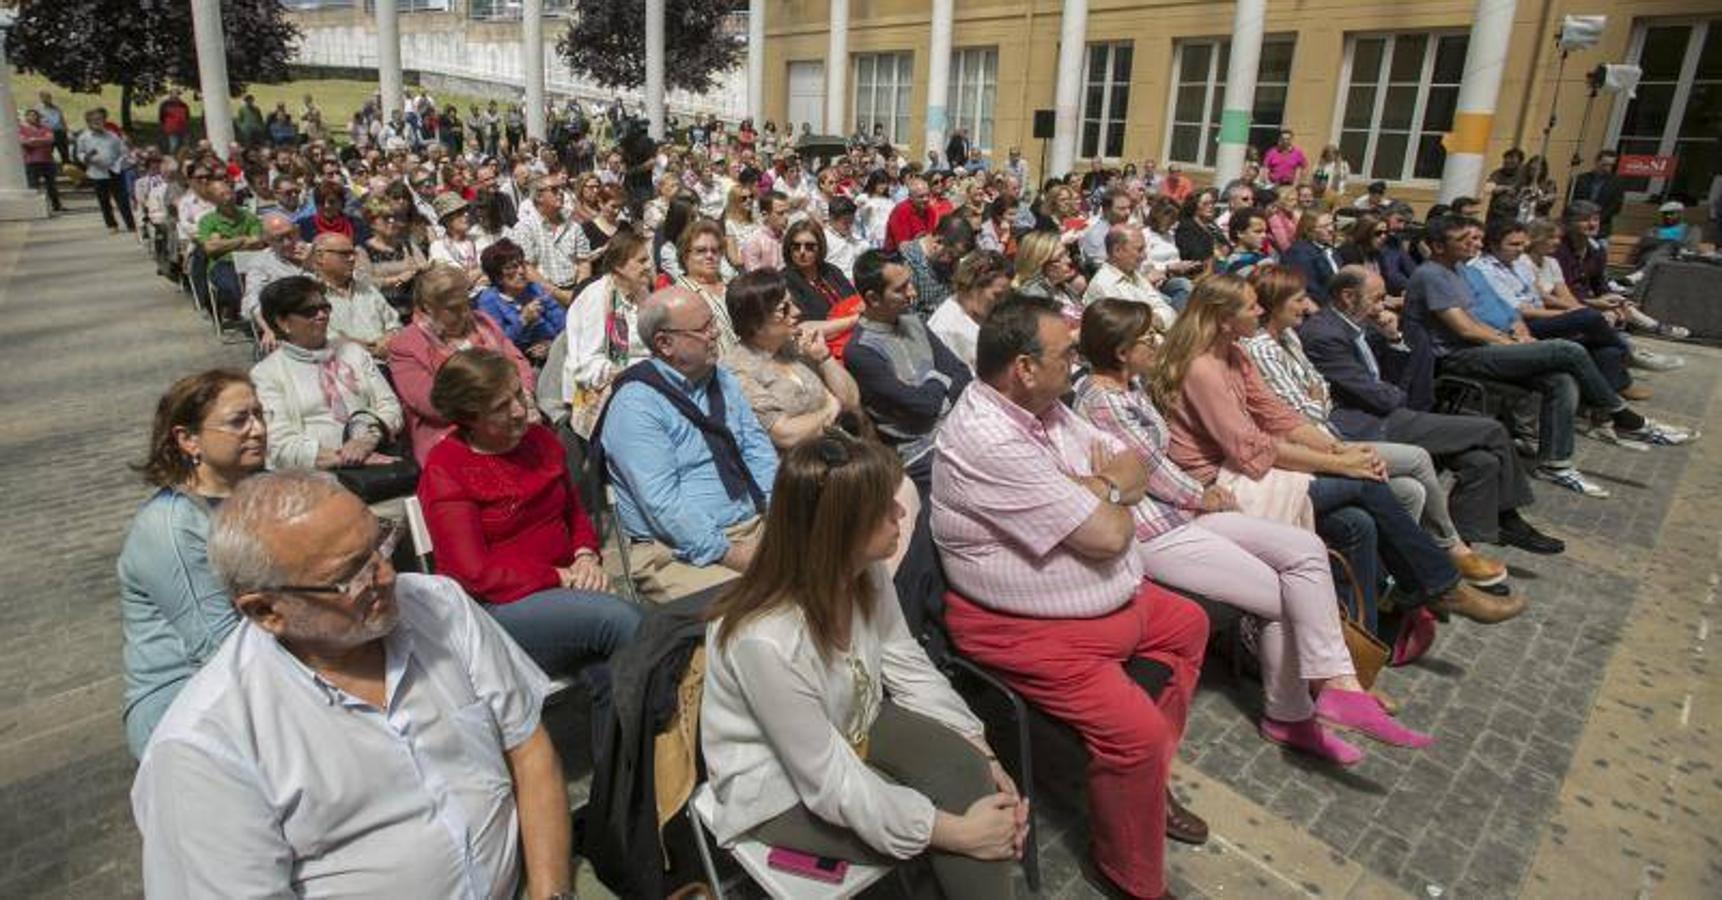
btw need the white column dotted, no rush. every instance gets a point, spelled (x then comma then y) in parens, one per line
(1240, 89)
(938, 78)
(17, 201)
(389, 57)
(212, 73)
(1485, 57)
(837, 70)
(756, 62)
(532, 36)
(655, 68)
(1067, 91)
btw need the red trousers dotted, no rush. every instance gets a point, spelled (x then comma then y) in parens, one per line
(1073, 669)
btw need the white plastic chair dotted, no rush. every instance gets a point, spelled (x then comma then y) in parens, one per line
(422, 550)
(751, 856)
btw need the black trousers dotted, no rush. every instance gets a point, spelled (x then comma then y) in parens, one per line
(1479, 452)
(45, 175)
(111, 192)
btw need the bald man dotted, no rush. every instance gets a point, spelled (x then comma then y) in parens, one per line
(691, 466)
(358, 311)
(286, 256)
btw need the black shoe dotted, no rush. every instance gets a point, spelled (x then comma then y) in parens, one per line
(1517, 532)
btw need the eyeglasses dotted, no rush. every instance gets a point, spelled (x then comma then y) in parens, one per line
(347, 252)
(237, 424)
(785, 310)
(706, 329)
(388, 537)
(313, 310)
(1151, 338)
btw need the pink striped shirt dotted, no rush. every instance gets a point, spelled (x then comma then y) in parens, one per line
(1004, 500)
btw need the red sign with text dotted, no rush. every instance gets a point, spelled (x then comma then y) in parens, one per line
(1644, 166)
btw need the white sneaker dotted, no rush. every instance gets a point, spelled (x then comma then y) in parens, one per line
(1660, 435)
(1570, 479)
(1656, 362)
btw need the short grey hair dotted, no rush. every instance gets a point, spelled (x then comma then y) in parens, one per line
(653, 316)
(236, 549)
(1119, 235)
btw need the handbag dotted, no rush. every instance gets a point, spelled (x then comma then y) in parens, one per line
(374, 484)
(1368, 653)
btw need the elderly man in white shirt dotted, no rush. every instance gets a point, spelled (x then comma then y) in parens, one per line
(286, 257)
(359, 733)
(1120, 277)
(358, 311)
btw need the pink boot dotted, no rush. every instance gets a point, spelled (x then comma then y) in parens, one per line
(1309, 737)
(1360, 712)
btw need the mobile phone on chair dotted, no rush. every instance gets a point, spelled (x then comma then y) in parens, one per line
(818, 868)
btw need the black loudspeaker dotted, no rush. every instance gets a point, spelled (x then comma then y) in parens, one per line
(1044, 124)
(1682, 292)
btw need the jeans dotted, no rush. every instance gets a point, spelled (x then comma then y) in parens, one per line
(1176, 290)
(1589, 329)
(563, 629)
(1408, 552)
(1350, 532)
(1560, 370)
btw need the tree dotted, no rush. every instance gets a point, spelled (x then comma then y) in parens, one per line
(607, 43)
(145, 45)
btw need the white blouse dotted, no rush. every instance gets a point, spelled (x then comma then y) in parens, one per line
(776, 723)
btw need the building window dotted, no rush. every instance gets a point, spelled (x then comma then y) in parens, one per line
(1678, 108)
(510, 10)
(413, 6)
(974, 89)
(1105, 99)
(1199, 92)
(882, 85)
(1399, 93)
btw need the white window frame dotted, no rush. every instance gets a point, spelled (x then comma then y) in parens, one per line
(1106, 87)
(964, 102)
(866, 115)
(1213, 84)
(1363, 169)
(1682, 90)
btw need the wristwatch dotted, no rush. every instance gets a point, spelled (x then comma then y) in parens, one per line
(1114, 496)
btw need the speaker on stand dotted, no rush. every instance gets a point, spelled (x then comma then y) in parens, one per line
(1045, 123)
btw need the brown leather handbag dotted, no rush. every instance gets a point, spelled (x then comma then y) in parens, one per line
(1368, 653)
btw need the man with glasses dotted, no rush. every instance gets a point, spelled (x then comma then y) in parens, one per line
(1032, 513)
(557, 250)
(691, 467)
(359, 733)
(932, 260)
(908, 378)
(286, 258)
(358, 311)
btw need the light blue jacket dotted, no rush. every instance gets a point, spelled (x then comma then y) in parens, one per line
(174, 612)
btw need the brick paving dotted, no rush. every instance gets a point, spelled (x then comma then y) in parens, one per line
(93, 336)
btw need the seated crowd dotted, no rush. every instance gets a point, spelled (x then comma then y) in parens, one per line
(861, 416)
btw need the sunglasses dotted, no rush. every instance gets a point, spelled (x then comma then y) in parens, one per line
(313, 310)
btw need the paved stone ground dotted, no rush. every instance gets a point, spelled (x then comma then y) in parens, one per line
(1574, 755)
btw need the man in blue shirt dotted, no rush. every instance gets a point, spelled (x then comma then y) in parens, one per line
(691, 467)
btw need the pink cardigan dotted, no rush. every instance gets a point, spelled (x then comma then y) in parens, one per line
(415, 355)
(1227, 418)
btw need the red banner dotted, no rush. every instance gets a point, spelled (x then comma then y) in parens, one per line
(1644, 166)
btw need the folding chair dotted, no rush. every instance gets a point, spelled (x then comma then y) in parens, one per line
(751, 855)
(422, 553)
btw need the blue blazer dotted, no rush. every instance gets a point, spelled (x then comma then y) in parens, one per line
(1307, 259)
(1361, 401)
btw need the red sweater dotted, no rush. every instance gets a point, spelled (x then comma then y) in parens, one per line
(904, 224)
(502, 524)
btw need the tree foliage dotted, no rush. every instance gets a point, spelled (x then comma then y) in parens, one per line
(607, 43)
(145, 45)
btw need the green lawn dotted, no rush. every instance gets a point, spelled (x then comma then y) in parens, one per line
(338, 99)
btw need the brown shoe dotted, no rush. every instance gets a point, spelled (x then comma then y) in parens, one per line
(1480, 570)
(1478, 606)
(1635, 392)
(1183, 825)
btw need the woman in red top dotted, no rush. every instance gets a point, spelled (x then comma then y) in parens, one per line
(507, 525)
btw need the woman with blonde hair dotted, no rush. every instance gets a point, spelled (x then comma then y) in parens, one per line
(739, 223)
(824, 726)
(1229, 428)
(1044, 269)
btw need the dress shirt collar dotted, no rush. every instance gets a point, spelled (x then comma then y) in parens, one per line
(681, 382)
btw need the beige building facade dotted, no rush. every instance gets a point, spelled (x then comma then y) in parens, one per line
(1377, 79)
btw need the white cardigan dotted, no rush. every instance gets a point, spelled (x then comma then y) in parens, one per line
(774, 722)
(299, 420)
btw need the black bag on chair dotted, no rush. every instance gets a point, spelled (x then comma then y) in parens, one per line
(374, 484)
